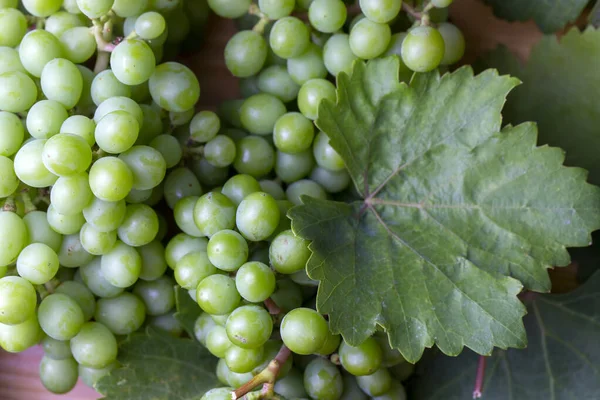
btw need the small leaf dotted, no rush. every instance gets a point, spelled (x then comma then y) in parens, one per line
(562, 360)
(561, 92)
(188, 310)
(549, 15)
(157, 366)
(452, 212)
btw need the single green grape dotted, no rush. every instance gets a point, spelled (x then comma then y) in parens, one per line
(81, 126)
(351, 389)
(245, 53)
(312, 93)
(71, 253)
(304, 187)
(65, 154)
(132, 61)
(289, 37)
(38, 48)
(273, 188)
(220, 151)
(214, 212)
(204, 126)
(166, 323)
(276, 9)
(119, 103)
(18, 92)
(182, 244)
(180, 183)
(140, 225)
(203, 325)
(94, 8)
(92, 276)
(56, 349)
(158, 295)
(10, 61)
(375, 384)
(106, 85)
(71, 194)
(325, 155)
(110, 179)
(169, 148)
(81, 294)
(257, 216)
(293, 167)
(60, 316)
(174, 87)
(249, 327)
(291, 386)
(64, 224)
(154, 264)
(217, 295)
(218, 393)
(454, 43)
(323, 380)
(20, 337)
(117, 132)
(423, 49)
(8, 178)
(217, 341)
(230, 9)
(288, 253)
(61, 81)
(227, 250)
(255, 282)
(304, 331)
(331, 181)
(260, 112)
(58, 376)
(381, 11)
(150, 25)
(308, 65)
(255, 156)
(239, 186)
(276, 80)
(293, 133)
(123, 314)
(18, 299)
(37, 263)
(94, 346)
(242, 360)
(13, 26)
(12, 132)
(369, 39)
(361, 360)
(329, 15)
(79, 44)
(105, 216)
(122, 265)
(192, 268)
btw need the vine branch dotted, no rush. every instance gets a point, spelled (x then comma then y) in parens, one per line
(266, 377)
(478, 390)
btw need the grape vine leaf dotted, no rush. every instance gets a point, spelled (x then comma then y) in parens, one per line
(188, 310)
(562, 360)
(549, 15)
(453, 212)
(560, 91)
(157, 366)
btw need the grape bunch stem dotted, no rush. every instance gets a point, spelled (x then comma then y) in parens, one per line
(478, 390)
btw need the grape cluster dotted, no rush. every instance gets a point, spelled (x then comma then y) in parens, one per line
(115, 190)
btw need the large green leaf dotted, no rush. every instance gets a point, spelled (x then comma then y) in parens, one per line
(156, 366)
(549, 15)
(452, 212)
(562, 360)
(561, 92)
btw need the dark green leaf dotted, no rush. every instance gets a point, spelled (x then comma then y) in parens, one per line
(156, 366)
(188, 310)
(594, 17)
(560, 91)
(549, 15)
(452, 212)
(562, 360)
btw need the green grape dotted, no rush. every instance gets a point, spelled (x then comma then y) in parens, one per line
(276, 9)
(307, 66)
(96, 242)
(79, 44)
(45, 118)
(254, 156)
(208, 174)
(9, 3)
(312, 93)
(304, 331)
(304, 187)
(8, 178)
(272, 188)
(441, 3)
(165, 6)
(230, 9)
(29, 167)
(70, 195)
(105, 216)
(454, 43)
(119, 103)
(58, 376)
(276, 80)
(129, 8)
(325, 155)
(289, 37)
(229, 112)
(292, 167)
(38, 48)
(147, 165)
(180, 183)
(150, 25)
(184, 216)
(423, 49)
(220, 319)
(138, 196)
(217, 341)
(13, 236)
(288, 253)
(81, 126)
(402, 371)
(291, 386)
(220, 151)
(166, 323)
(249, 327)
(81, 294)
(223, 373)
(56, 349)
(331, 181)
(375, 384)
(323, 380)
(204, 126)
(9, 60)
(12, 133)
(293, 133)
(20, 337)
(40, 231)
(117, 131)
(91, 376)
(214, 212)
(132, 62)
(396, 392)
(152, 125)
(95, 8)
(245, 53)
(239, 186)
(260, 112)
(227, 250)
(381, 11)
(255, 282)
(94, 346)
(202, 327)
(351, 389)
(62, 82)
(331, 344)
(59, 22)
(217, 295)
(158, 295)
(60, 316)
(122, 265)
(181, 118)
(18, 92)
(174, 87)
(18, 298)
(154, 264)
(71, 253)
(182, 244)
(369, 39)
(64, 224)
(37, 263)
(110, 179)
(390, 357)
(364, 359)
(257, 216)
(106, 85)
(86, 104)
(192, 268)
(242, 360)
(287, 296)
(329, 15)
(123, 314)
(94, 279)
(13, 26)
(218, 393)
